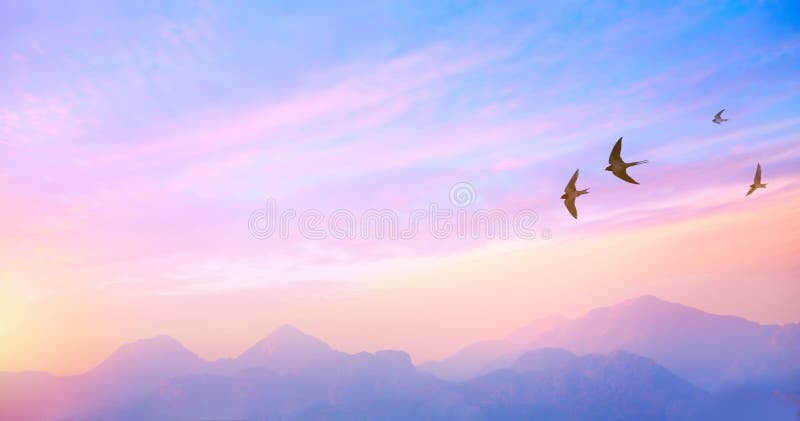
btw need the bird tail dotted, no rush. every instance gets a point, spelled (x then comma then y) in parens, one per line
(638, 162)
(584, 191)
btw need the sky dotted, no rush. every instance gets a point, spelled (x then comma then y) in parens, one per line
(142, 142)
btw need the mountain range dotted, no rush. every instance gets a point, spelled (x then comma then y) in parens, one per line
(640, 359)
(712, 351)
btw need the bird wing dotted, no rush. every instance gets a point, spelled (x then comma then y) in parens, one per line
(616, 152)
(570, 204)
(571, 185)
(749, 192)
(719, 114)
(757, 178)
(623, 175)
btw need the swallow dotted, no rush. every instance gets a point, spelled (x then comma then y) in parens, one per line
(756, 181)
(571, 193)
(718, 117)
(619, 167)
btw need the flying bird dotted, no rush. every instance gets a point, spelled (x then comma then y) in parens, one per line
(756, 182)
(619, 167)
(571, 193)
(718, 117)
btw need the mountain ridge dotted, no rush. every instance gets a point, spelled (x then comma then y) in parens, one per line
(290, 374)
(708, 349)
(286, 339)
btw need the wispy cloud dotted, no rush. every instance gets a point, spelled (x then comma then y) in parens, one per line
(135, 142)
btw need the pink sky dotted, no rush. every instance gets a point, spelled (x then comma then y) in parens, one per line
(134, 148)
(409, 302)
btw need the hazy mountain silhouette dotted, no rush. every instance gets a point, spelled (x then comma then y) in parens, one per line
(130, 372)
(160, 356)
(482, 357)
(291, 375)
(709, 350)
(287, 350)
(384, 385)
(614, 386)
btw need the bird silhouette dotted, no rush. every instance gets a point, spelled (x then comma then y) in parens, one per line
(619, 167)
(571, 193)
(718, 117)
(756, 181)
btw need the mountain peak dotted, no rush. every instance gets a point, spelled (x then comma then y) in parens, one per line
(287, 330)
(159, 344)
(644, 306)
(151, 353)
(163, 340)
(648, 299)
(288, 336)
(286, 348)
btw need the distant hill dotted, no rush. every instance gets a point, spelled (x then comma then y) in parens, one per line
(614, 386)
(287, 350)
(709, 350)
(644, 360)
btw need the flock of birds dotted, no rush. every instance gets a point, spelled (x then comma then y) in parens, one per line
(619, 168)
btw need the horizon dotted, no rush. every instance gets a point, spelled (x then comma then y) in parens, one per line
(150, 152)
(292, 328)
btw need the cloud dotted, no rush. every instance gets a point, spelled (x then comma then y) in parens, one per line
(38, 119)
(172, 156)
